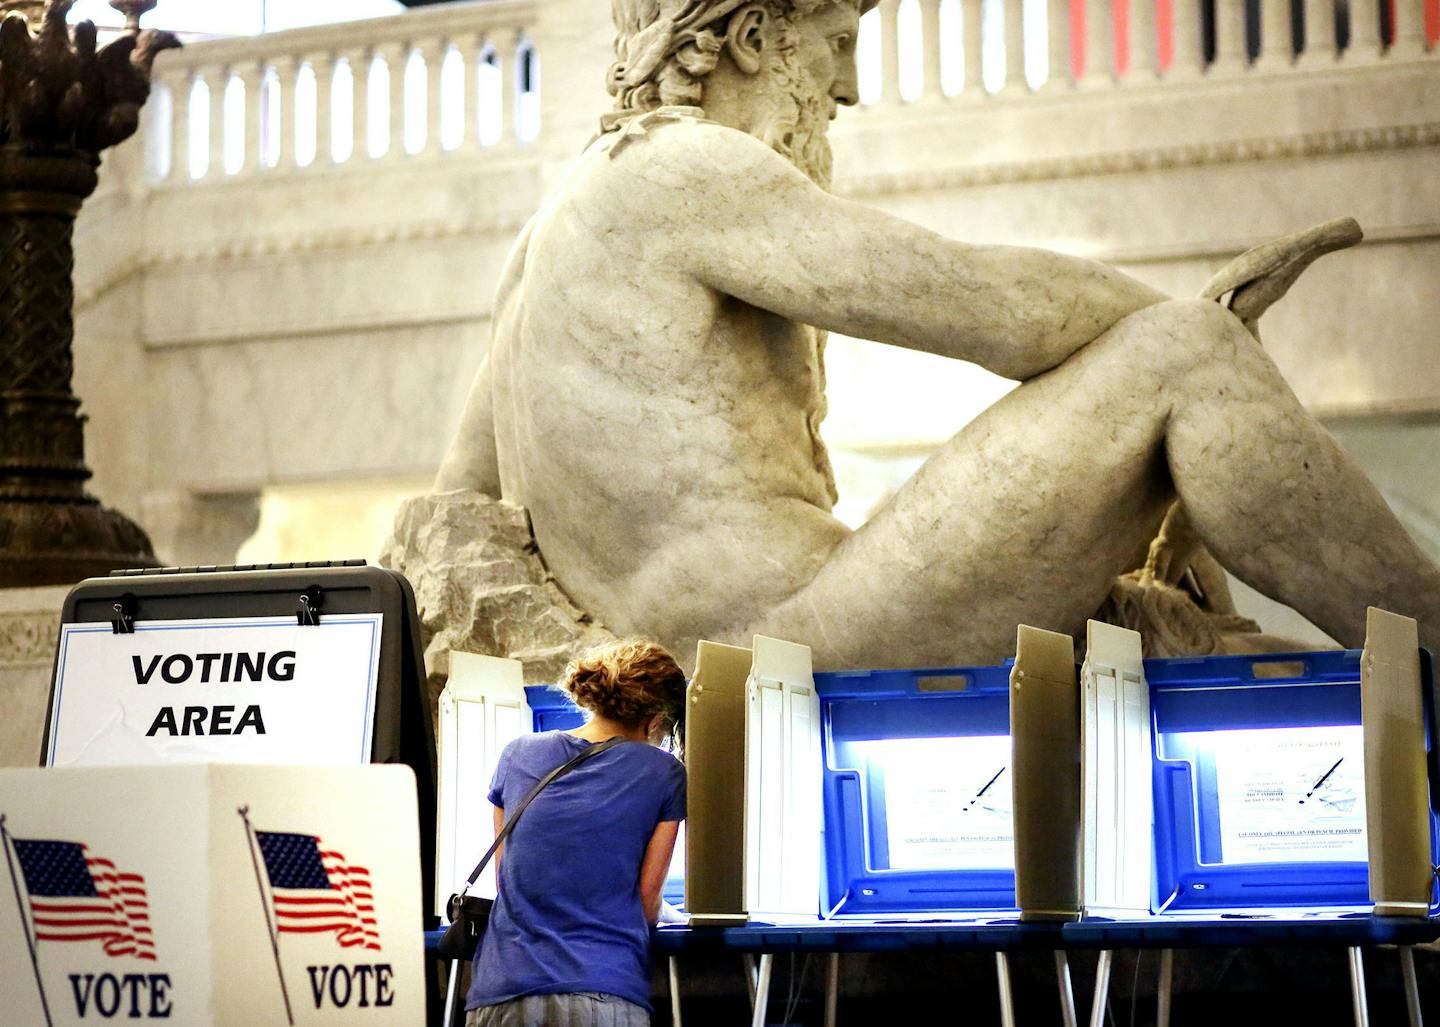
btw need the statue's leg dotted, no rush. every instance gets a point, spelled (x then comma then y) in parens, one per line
(1028, 513)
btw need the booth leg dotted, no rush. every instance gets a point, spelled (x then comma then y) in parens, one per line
(1007, 1001)
(451, 989)
(1357, 988)
(762, 991)
(1067, 993)
(832, 989)
(1412, 987)
(674, 991)
(1102, 989)
(750, 973)
(1162, 991)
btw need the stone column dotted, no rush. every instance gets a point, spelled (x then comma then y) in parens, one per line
(1364, 45)
(323, 65)
(1230, 54)
(1187, 59)
(1015, 83)
(506, 42)
(285, 69)
(889, 51)
(360, 103)
(217, 83)
(434, 53)
(1409, 40)
(1099, 45)
(180, 87)
(1320, 50)
(395, 56)
(974, 44)
(1144, 63)
(930, 44)
(1277, 53)
(252, 76)
(1060, 74)
(471, 51)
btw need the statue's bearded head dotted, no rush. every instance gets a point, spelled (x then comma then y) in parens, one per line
(774, 68)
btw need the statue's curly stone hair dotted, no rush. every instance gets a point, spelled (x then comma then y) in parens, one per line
(628, 681)
(665, 48)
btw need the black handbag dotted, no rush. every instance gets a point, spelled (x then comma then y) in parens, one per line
(469, 915)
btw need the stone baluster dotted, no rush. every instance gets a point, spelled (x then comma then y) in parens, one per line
(1144, 63)
(1015, 83)
(889, 51)
(930, 42)
(1277, 53)
(434, 53)
(506, 43)
(396, 56)
(1099, 47)
(252, 77)
(1187, 57)
(1409, 39)
(180, 87)
(1320, 47)
(217, 83)
(1231, 56)
(974, 44)
(473, 53)
(359, 60)
(323, 65)
(1060, 74)
(1364, 43)
(285, 68)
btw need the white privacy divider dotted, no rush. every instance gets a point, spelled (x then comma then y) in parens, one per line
(482, 709)
(783, 823)
(1117, 807)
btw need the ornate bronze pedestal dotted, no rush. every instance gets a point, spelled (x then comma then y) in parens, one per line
(62, 102)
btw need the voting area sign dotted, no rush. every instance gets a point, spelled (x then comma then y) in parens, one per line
(279, 895)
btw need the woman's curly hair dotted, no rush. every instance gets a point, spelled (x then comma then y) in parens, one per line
(629, 681)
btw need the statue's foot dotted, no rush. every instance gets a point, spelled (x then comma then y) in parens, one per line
(1260, 276)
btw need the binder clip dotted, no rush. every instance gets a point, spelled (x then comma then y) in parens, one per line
(123, 622)
(307, 611)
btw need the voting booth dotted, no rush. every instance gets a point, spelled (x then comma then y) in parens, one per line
(213, 894)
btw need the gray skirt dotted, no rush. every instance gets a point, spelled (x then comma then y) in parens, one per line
(576, 1009)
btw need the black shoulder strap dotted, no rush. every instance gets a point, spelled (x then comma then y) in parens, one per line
(558, 772)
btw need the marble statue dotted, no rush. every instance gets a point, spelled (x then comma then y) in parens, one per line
(655, 387)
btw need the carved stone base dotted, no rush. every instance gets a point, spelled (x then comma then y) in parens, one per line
(57, 543)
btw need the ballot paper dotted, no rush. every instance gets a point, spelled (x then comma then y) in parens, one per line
(947, 801)
(1289, 795)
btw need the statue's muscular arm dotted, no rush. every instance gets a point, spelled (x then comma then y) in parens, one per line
(741, 219)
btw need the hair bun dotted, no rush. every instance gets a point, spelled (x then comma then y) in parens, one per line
(628, 681)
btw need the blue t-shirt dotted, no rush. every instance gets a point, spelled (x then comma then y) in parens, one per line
(568, 917)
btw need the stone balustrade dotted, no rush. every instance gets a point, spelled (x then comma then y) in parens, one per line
(459, 78)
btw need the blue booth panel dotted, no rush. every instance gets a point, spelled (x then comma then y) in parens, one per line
(1259, 781)
(552, 710)
(917, 798)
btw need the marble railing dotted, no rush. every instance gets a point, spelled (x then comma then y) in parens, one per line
(918, 49)
(453, 78)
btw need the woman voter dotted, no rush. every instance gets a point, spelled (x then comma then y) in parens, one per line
(579, 878)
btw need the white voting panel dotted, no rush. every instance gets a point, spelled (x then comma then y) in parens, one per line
(273, 895)
(1117, 807)
(783, 821)
(482, 709)
(240, 690)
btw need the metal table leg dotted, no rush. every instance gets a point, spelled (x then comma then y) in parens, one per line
(1162, 991)
(674, 992)
(762, 991)
(750, 973)
(1102, 989)
(832, 989)
(450, 992)
(1067, 993)
(1007, 1000)
(1412, 987)
(1357, 988)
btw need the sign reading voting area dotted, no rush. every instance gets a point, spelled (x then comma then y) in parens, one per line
(273, 896)
(234, 690)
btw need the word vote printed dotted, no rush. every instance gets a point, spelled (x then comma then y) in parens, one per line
(131, 996)
(342, 986)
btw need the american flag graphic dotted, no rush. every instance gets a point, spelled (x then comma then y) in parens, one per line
(315, 890)
(75, 896)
